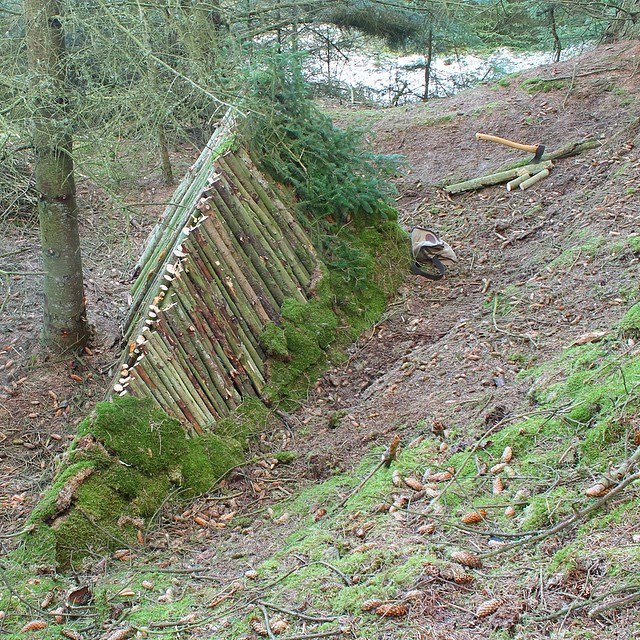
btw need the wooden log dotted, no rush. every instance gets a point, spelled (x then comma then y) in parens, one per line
(171, 377)
(239, 308)
(268, 252)
(188, 361)
(209, 292)
(148, 372)
(274, 234)
(226, 335)
(238, 279)
(204, 368)
(495, 178)
(534, 179)
(201, 344)
(174, 213)
(207, 335)
(247, 243)
(303, 247)
(513, 184)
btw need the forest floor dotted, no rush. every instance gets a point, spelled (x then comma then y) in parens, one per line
(517, 358)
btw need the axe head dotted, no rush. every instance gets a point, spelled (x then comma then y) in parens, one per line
(538, 155)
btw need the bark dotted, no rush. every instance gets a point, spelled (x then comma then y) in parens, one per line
(167, 171)
(427, 66)
(65, 322)
(557, 45)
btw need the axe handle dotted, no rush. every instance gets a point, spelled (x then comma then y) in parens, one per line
(531, 148)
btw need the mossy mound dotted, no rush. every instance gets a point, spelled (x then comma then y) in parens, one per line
(630, 323)
(126, 460)
(365, 266)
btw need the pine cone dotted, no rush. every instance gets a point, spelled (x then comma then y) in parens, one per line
(427, 528)
(440, 477)
(488, 607)
(279, 624)
(597, 490)
(257, 626)
(396, 478)
(34, 625)
(497, 468)
(474, 516)
(121, 634)
(498, 485)
(370, 605)
(456, 574)
(507, 454)
(510, 511)
(71, 634)
(392, 610)
(414, 484)
(466, 559)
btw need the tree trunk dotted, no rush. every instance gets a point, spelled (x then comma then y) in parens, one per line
(557, 45)
(65, 322)
(427, 65)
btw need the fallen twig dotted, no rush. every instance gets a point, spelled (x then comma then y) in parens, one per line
(265, 615)
(576, 517)
(295, 614)
(387, 458)
(614, 604)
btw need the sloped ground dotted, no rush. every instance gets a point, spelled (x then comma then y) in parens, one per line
(516, 359)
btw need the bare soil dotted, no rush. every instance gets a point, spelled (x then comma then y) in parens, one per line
(442, 357)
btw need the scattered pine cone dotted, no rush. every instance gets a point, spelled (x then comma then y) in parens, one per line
(71, 634)
(497, 468)
(466, 559)
(597, 490)
(320, 513)
(455, 573)
(507, 454)
(510, 511)
(48, 599)
(279, 625)
(396, 478)
(370, 605)
(498, 486)
(474, 517)
(392, 610)
(440, 477)
(427, 528)
(121, 634)
(362, 548)
(34, 625)
(488, 607)
(258, 626)
(414, 484)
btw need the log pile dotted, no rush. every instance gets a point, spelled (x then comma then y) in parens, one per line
(216, 270)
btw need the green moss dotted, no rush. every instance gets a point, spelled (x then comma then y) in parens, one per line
(599, 442)
(536, 85)
(274, 341)
(630, 324)
(634, 244)
(138, 433)
(148, 454)
(544, 510)
(285, 457)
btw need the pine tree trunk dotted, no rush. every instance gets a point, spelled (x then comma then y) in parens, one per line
(427, 66)
(65, 323)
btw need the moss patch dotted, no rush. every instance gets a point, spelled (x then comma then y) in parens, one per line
(630, 323)
(127, 458)
(365, 265)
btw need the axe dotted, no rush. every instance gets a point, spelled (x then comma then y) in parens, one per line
(536, 149)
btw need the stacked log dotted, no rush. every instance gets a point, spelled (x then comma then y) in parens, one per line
(216, 270)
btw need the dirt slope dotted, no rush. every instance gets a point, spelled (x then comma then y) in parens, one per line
(537, 271)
